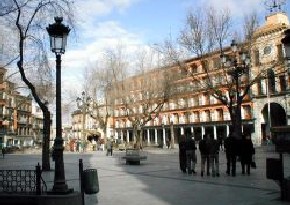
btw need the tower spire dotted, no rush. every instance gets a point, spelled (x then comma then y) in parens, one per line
(275, 6)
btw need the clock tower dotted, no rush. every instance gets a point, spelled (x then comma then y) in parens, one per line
(270, 93)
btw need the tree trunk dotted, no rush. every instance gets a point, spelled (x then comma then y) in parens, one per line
(238, 121)
(172, 135)
(136, 133)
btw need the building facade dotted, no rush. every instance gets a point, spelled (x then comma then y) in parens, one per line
(90, 123)
(197, 112)
(192, 110)
(21, 121)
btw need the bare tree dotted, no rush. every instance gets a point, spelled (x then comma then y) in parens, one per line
(251, 23)
(140, 98)
(110, 69)
(28, 19)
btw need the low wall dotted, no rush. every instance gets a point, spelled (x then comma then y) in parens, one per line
(67, 199)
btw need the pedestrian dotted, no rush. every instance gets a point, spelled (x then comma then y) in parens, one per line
(190, 154)
(221, 143)
(247, 150)
(3, 152)
(203, 148)
(109, 147)
(213, 147)
(231, 147)
(167, 143)
(182, 154)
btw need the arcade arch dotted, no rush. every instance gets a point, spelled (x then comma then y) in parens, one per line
(277, 117)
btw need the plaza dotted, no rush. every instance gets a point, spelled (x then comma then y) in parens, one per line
(158, 181)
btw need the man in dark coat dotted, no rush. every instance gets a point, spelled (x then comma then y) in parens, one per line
(231, 146)
(190, 154)
(247, 151)
(213, 148)
(182, 154)
(204, 153)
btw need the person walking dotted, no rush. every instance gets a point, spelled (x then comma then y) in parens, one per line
(3, 152)
(247, 150)
(221, 143)
(190, 154)
(182, 154)
(231, 147)
(109, 147)
(203, 148)
(167, 143)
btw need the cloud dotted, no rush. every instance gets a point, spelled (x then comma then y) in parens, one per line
(105, 35)
(235, 6)
(90, 9)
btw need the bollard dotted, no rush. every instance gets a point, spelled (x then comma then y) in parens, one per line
(81, 170)
(37, 180)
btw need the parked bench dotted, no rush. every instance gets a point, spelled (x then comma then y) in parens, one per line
(133, 156)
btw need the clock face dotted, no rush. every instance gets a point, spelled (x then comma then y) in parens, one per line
(267, 50)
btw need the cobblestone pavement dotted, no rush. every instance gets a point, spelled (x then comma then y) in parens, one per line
(158, 181)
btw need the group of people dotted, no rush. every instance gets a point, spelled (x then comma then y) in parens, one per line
(239, 149)
(236, 149)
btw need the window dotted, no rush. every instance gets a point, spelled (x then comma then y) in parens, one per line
(279, 52)
(283, 84)
(205, 99)
(271, 81)
(257, 58)
(196, 116)
(196, 101)
(193, 68)
(247, 112)
(261, 88)
(216, 63)
(220, 115)
(204, 65)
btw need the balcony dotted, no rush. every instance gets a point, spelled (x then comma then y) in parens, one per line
(23, 121)
(2, 86)
(37, 126)
(3, 101)
(247, 116)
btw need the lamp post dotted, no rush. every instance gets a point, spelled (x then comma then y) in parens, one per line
(238, 64)
(286, 42)
(83, 103)
(58, 37)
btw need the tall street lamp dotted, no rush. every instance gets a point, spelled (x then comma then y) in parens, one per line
(58, 37)
(238, 64)
(84, 103)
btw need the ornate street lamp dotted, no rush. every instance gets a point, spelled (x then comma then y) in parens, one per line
(58, 37)
(237, 64)
(84, 103)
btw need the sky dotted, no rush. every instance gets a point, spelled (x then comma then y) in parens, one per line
(103, 24)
